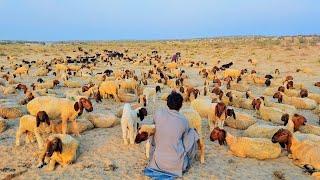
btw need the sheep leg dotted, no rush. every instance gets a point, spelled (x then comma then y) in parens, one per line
(148, 148)
(51, 165)
(124, 134)
(39, 139)
(131, 135)
(18, 135)
(75, 128)
(201, 148)
(64, 126)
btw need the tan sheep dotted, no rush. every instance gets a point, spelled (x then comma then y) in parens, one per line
(310, 129)
(21, 70)
(10, 112)
(238, 120)
(103, 120)
(60, 149)
(259, 148)
(31, 126)
(299, 103)
(109, 88)
(231, 73)
(267, 131)
(71, 84)
(60, 108)
(305, 154)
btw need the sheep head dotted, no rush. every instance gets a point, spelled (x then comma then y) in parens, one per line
(42, 117)
(218, 134)
(54, 145)
(279, 96)
(220, 109)
(284, 138)
(298, 121)
(256, 103)
(230, 112)
(142, 112)
(303, 93)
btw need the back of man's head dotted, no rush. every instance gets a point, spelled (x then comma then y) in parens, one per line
(174, 101)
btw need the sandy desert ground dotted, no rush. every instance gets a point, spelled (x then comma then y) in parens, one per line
(102, 152)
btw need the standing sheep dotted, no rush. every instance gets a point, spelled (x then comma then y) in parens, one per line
(109, 88)
(60, 107)
(30, 124)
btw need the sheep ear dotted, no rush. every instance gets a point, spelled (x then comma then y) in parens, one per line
(282, 145)
(59, 146)
(76, 106)
(38, 120)
(234, 115)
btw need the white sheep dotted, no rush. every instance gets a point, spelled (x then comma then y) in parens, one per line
(45, 85)
(299, 103)
(31, 126)
(259, 148)
(283, 107)
(129, 122)
(60, 107)
(60, 149)
(8, 90)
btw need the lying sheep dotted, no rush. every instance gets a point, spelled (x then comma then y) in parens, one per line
(46, 85)
(129, 120)
(283, 107)
(60, 107)
(300, 103)
(238, 120)
(42, 72)
(103, 120)
(259, 148)
(10, 112)
(83, 125)
(310, 129)
(268, 113)
(60, 149)
(8, 90)
(30, 125)
(109, 88)
(304, 154)
(71, 84)
(309, 137)
(267, 131)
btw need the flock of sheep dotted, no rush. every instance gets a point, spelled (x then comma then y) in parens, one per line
(52, 105)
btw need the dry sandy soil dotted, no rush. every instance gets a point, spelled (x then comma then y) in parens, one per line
(103, 155)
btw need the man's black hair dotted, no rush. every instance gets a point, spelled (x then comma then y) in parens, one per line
(174, 101)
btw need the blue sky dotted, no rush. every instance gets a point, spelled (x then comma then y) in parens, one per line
(154, 19)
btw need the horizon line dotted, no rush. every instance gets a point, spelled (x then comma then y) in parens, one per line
(162, 39)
